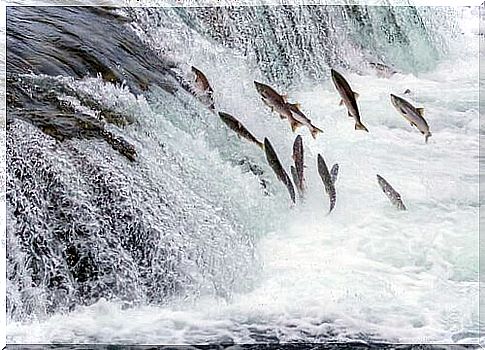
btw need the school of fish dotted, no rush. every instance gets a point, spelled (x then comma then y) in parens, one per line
(278, 103)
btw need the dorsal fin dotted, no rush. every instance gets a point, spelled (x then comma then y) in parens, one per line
(420, 111)
(285, 97)
(295, 105)
(356, 95)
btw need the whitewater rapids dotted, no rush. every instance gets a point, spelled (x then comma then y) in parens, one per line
(366, 271)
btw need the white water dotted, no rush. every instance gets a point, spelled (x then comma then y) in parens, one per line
(366, 268)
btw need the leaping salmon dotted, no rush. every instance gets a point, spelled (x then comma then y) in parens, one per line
(277, 103)
(414, 115)
(327, 181)
(348, 97)
(298, 178)
(205, 93)
(391, 193)
(240, 129)
(280, 172)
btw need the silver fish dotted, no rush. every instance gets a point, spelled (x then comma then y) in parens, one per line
(414, 115)
(391, 193)
(280, 172)
(299, 165)
(205, 93)
(277, 103)
(327, 181)
(382, 70)
(240, 129)
(348, 98)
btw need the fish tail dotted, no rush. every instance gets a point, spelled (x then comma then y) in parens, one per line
(427, 136)
(294, 125)
(360, 126)
(315, 131)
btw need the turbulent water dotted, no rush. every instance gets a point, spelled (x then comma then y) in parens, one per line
(134, 215)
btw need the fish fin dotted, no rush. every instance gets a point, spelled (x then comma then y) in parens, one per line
(282, 116)
(315, 131)
(426, 137)
(413, 124)
(261, 145)
(341, 102)
(267, 104)
(294, 125)
(297, 105)
(285, 97)
(360, 126)
(420, 111)
(350, 115)
(356, 95)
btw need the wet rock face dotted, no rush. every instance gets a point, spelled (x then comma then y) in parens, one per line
(81, 41)
(41, 106)
(62, 205)
(89, 215)
(73, 42)
(41, 40)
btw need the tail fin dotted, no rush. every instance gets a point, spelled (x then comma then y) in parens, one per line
(314, 131)
(427, 136)
(294, 125)
(360, 126)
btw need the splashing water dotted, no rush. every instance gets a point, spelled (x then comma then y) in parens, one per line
(186, 245)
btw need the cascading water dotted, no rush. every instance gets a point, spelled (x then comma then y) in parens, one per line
(135, 215)
(291, 43)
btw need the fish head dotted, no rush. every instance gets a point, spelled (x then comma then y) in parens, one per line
(198, 75)
(338, 78)
(335, 75)
(267, 146)
(195, 70)
(380, 180)
(396, 102)
(261, 88)
(271, 157)
(223, 116)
